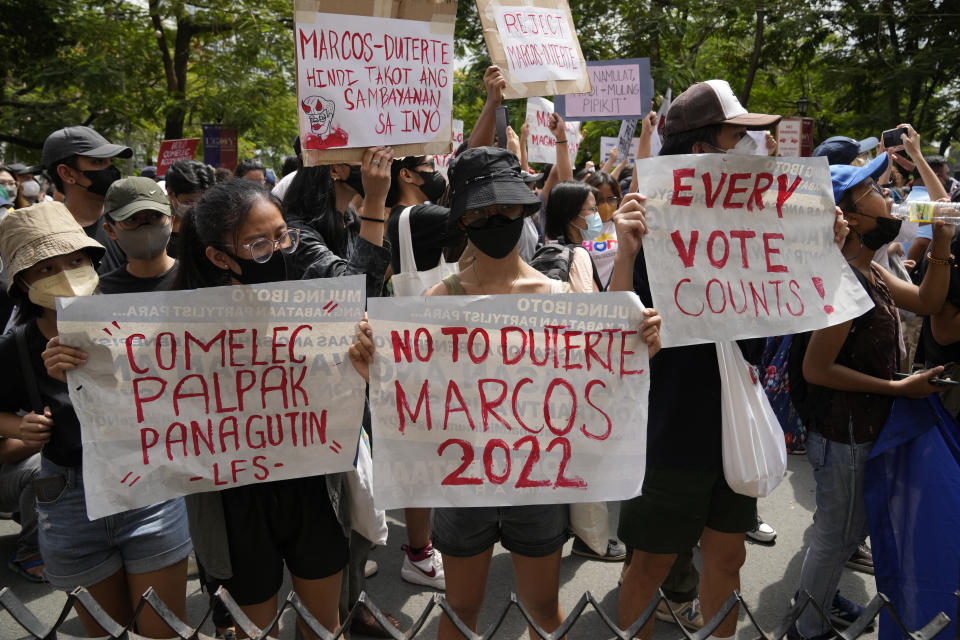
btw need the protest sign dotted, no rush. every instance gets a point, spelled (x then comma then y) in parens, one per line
(228, 149)
(742, 247)
(535, 45)
(372, 73)
(656, 142)
(507, 400)
(608, 143)
(542, 146)
(795, 137)
(189, 391)
(174, 150)
(622, 90)
(219, 146)
(211, 144)
(442, 160)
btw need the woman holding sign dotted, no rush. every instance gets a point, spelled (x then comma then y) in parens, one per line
(118, 557)
(489, 202)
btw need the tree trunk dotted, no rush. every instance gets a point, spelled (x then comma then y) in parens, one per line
(754, 59)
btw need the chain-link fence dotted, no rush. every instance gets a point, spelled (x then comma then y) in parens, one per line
(36, 629)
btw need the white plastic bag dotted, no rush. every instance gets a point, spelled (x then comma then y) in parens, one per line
(754, 451)
(410, 282)
(589, 522)
(365, 519)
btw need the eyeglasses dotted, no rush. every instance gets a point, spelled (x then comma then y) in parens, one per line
(614, 200)
(261, 249)
(873, 187)
(478, 218)
(141, 218)
(589, 210)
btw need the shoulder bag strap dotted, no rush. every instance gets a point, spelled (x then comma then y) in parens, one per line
(30, 379)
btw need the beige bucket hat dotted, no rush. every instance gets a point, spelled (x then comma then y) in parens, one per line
(44, 230)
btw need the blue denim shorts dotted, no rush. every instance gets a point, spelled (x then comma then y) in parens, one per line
(78, 552)
(529, 530)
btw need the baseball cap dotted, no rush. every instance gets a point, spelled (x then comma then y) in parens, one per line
(846, 176)
(844, 150)
(79, 141)
(131, 195)
(712, 102)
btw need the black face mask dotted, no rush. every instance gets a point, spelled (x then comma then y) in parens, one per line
(101, 179)
(253, 272)
(434, 185)
(497, 237)
(887, 230)
(355, 180)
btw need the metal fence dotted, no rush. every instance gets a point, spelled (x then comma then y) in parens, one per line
(33, 627)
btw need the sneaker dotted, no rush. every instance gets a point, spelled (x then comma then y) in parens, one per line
(425, 568)
(862, 559)
(688, 613)
(843, 612)
(370, 569)
(762, 533)
(616, 550)
(794, 634)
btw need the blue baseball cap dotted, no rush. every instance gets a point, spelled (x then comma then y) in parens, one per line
(844, 150)
(846, 176)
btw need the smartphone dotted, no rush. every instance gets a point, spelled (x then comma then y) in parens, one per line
(940, 382)
(891, 137)
(500, 116)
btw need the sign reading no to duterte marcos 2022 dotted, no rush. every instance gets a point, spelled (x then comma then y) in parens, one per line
(190, 391)
(743, 247)
(508, 400)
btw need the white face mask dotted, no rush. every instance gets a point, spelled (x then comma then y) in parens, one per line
(747, 146)
(81, 281)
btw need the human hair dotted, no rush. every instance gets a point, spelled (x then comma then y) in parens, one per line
(566, 201)
(599, 178)
(683, 141)
(935, 161)
(223, 174)
(19, 202)
(290, 164)
(189, 176)
(247, 166)
(408, 162)
(213, 221)
(311, 199)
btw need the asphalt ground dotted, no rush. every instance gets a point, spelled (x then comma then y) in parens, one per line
(768, 579)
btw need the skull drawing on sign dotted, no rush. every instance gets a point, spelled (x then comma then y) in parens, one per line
(320, 111)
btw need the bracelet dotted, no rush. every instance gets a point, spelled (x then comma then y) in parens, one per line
(561, 142)
(369, 219)
(939, 261)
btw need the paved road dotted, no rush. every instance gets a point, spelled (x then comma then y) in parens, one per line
(769, 577)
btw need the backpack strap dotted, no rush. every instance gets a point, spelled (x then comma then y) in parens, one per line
(30, 379)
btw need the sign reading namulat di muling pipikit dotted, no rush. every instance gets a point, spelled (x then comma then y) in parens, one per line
(506, 400)
(188, 391)
(743, 247)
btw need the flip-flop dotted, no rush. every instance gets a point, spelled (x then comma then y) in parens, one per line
(21, 569)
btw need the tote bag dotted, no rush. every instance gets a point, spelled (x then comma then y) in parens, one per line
(410, 282)
(754, 453)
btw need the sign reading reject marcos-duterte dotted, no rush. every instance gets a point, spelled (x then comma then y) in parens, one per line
(187, 391)
(742, 247)
(505, 400)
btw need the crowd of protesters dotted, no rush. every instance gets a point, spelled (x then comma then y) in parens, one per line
(73, 226)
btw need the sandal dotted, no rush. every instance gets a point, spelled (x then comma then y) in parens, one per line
(21, 568)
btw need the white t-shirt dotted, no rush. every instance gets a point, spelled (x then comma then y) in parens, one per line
(603, 251)
(280, 189)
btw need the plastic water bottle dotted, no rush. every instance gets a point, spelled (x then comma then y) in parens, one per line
(927, 211)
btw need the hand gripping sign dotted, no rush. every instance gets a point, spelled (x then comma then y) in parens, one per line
(508, 400)
(192, 391)
(371, 73)
(742, 247)
(542, 145)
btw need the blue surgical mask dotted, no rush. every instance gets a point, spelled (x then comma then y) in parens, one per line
(594, 227)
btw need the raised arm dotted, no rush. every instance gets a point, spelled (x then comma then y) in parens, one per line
(485, 128)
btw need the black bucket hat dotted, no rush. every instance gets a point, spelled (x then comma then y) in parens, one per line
(482, 176)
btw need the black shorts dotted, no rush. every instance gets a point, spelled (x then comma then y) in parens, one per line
(288, 521)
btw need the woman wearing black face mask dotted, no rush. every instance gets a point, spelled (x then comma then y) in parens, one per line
(849, 369)
(489, 200)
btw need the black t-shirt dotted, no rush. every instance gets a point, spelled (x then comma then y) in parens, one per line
(929, 351)
(115, 257)
(122, 281)
(428, 233)
(63, 448)
(684, 420)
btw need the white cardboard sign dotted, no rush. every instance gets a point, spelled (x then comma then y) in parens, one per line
(508, 400)
(541, 145)
(442, 160)
(189, 391)
(742, 247)
(608, 143)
